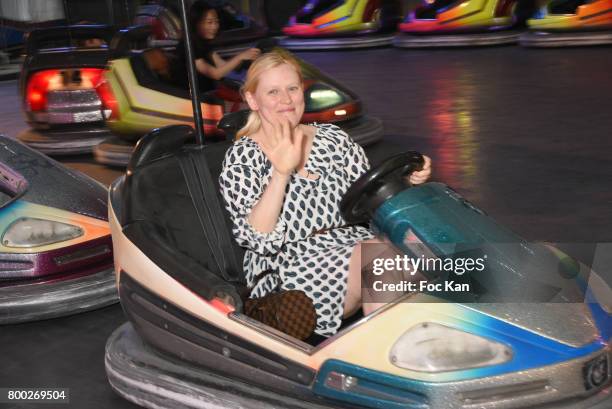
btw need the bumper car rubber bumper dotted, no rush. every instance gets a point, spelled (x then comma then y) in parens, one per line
(64, 142)
(40, 300)
(551, 39)
(151, 379)
(335, 43)
(143, 376)
(116, 152)
(434, 40)
(113, 151)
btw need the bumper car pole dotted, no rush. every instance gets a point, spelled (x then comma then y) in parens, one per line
(111, 12)
(192, 78)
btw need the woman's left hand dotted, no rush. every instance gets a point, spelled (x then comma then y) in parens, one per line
(421, 176)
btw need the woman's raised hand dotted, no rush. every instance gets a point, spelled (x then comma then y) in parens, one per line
(284, 146)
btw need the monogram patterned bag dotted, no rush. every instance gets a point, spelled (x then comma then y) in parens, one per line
(291, 312)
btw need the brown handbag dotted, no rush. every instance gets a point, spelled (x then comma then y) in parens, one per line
(291, 312)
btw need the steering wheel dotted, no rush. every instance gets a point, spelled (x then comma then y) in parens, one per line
(377, 185)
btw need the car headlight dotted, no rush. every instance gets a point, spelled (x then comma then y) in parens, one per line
(29, 232)
(430, 347)
(320, 96)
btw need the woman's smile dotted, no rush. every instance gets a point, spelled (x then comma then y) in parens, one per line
(279, 92)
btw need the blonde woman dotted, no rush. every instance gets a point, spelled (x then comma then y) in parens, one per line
(282, 182)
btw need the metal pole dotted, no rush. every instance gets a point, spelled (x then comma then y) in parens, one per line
(111, 12)
(193, 79)
(67, 14)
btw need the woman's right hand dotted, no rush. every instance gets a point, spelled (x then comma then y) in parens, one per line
(250, 54)
(284, 146)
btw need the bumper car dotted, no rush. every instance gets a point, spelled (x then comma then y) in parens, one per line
(57, 85)
(564, 23)
(331, 24)
(188, 344)
(238, 31)
(10, 64)
(55, 249)
(140, 99)
(453, 23)
(162, 18)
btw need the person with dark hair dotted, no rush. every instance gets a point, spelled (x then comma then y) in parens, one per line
(204, 25)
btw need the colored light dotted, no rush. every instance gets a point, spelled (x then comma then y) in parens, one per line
(109, 102)
(36, 96)
(90, 77)
(41, 82)
(38, 86)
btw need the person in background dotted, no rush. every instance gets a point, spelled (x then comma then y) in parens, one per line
(204, 24)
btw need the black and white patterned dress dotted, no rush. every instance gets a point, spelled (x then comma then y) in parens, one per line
(305, 258)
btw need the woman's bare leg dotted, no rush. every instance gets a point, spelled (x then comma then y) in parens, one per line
(359, 261)
(360, 294)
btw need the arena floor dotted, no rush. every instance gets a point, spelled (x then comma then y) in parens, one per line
(526, 135)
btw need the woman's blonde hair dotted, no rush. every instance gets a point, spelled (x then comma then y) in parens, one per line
(263, 63)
